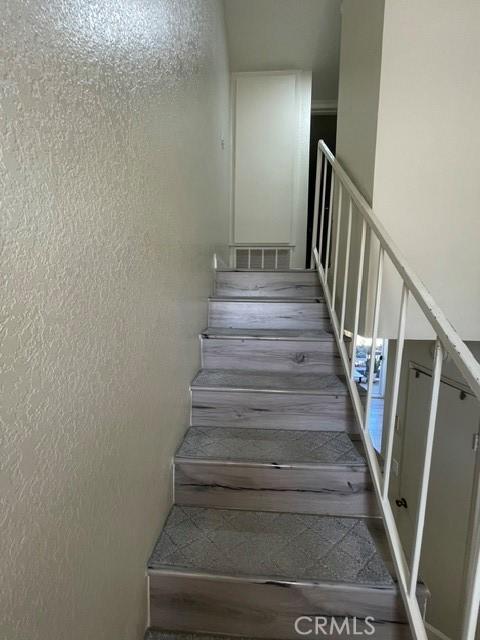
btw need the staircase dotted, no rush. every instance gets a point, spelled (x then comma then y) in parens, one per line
(274, 517)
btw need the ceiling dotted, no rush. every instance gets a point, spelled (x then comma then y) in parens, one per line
(286, 34)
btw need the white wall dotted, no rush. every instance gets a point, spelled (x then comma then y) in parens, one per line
(114, 189)
(266, 35)
(359, 85)
(427, 191)
(408, 138)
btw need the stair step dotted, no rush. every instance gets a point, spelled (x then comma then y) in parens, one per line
(235, 270)
(245, 380)
(273, 470)
(273, 351)
(254, 573)
(270, 446)
(152, 634)
(302, 335)
(285, 546)
(288, 284)
(271, 400)
(268, 313)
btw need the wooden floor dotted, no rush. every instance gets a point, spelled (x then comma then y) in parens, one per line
(275, 515)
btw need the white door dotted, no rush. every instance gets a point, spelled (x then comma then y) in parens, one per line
(450, 492)
(271, 146)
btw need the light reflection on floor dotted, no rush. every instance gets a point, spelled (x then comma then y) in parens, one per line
(375, 423)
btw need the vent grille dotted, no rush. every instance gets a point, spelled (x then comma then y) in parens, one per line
(262, 258)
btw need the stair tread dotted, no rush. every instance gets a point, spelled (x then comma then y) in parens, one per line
(284, 546)
(269, 446)
(269, 334)
(256, 271)
(155, 634)
(319, 384)
(258, 299)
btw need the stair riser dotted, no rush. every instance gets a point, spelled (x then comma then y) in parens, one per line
(268, 315)
(268, 284)
(296, 356)
(267, 608)
(272, 410)
(322, 490)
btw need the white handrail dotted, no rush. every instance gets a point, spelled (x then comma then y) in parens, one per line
(461, 354)
(447, 341)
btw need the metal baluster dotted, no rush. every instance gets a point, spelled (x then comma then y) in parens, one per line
(361, 260)
(318, 178)
(422, 506)
(329, 226)
(337, 243)
(376, 315)
(346, 266)
(396, 385)
(322, 217)
(471, 595)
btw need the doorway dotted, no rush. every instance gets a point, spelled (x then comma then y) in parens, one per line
(323, 126)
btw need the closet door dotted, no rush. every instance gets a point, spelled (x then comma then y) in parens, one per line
(270, 181)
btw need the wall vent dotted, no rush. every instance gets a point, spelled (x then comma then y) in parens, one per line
(262, 258)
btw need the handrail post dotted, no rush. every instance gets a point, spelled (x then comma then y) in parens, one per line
(329, 224)
(397, 372)
(376, 316)
(427, 463)
(337, 243)
(346, 267)
(361, 261)
(322, 213)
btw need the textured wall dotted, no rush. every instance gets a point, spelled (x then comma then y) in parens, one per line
(114, 191)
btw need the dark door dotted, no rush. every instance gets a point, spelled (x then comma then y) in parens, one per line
(322, 127)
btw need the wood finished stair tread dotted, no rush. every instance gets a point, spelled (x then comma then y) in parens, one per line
(244, 380)
(268, 300)
(155, 634)
(287, 547)
(269, 446)
(269, 334)
(262, 271)
(268, 284)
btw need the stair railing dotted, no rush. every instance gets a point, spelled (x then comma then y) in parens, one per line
(348, 198)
